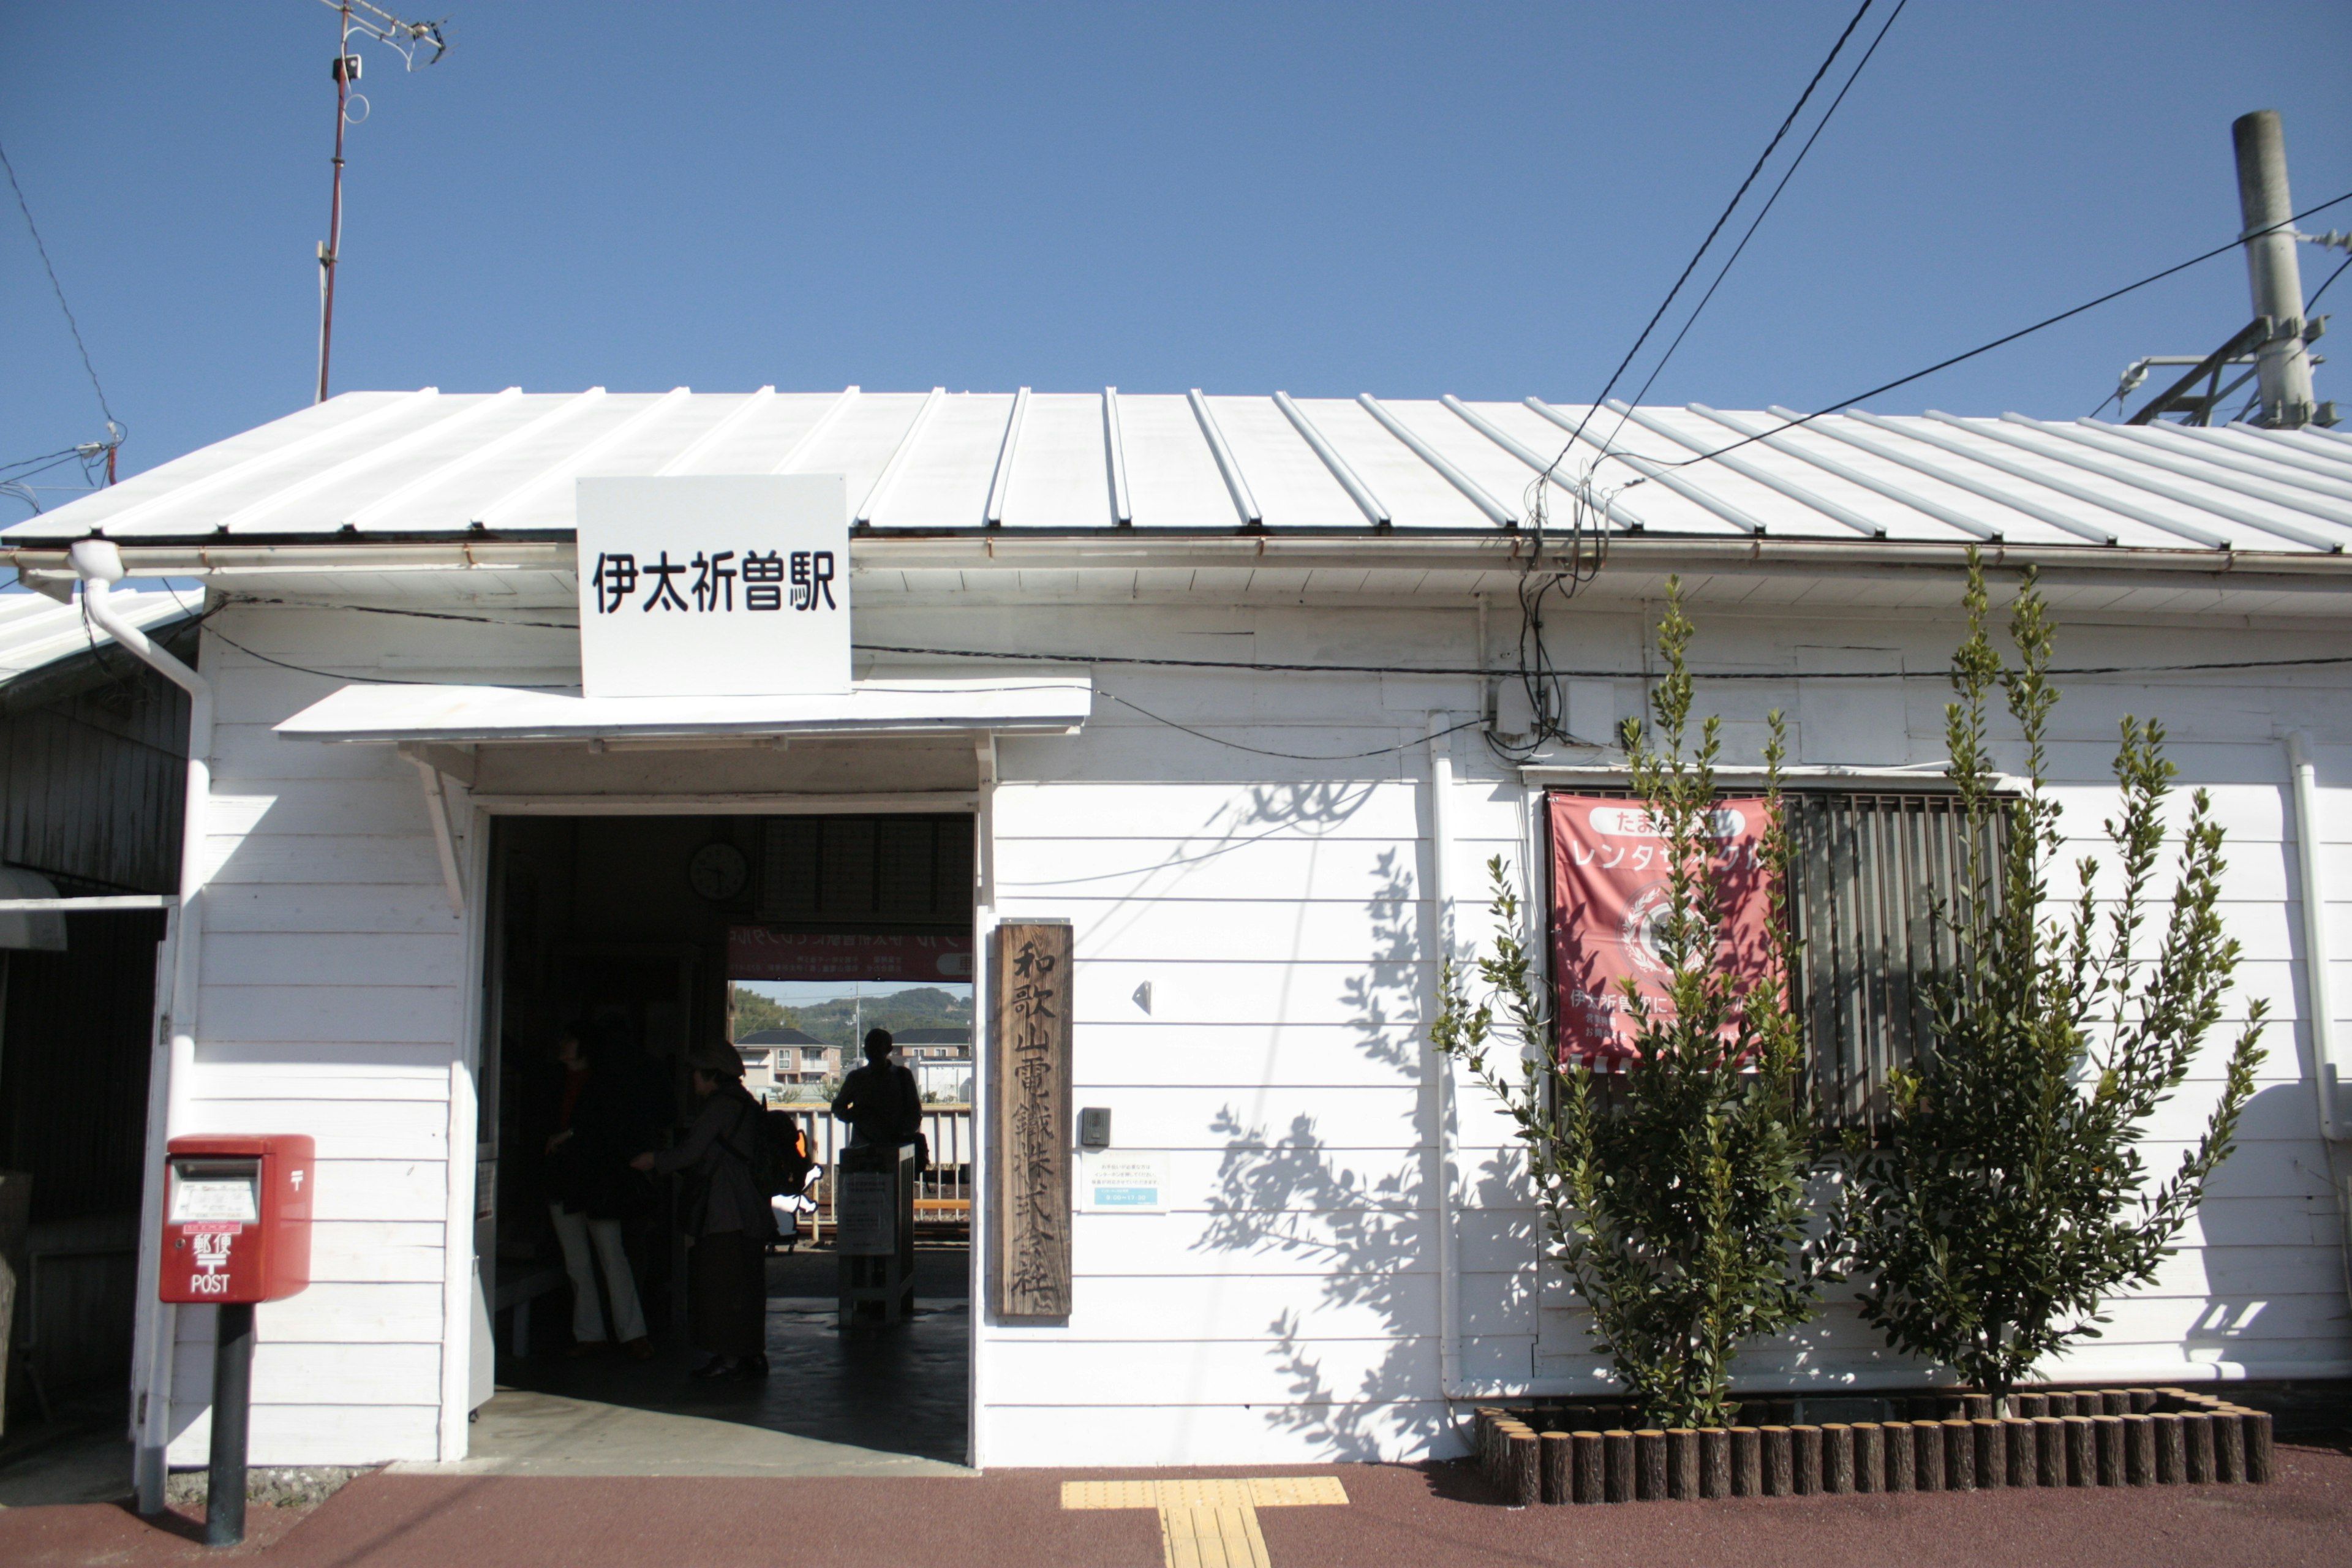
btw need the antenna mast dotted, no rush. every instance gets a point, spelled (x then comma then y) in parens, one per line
(404, 38)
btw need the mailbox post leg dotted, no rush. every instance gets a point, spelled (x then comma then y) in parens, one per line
(232, 1402)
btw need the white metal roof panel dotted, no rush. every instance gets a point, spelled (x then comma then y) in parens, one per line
(860, 439)
(36, 631)
(1293, 487)
(1060, 470)
(1172, 476)
(1415, 494)
(422, 463)
(945, 480)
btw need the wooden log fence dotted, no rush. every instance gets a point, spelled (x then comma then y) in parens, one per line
(1565, 1454)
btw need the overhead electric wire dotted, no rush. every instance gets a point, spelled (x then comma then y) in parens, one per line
(1766, 211)
(1469, 672)
(1729, 207)
(1997, 343)
(2322, 288)
(113, 427)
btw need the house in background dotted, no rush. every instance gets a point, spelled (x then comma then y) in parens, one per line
(940, 1059)
(93, 758)
(786, 1057)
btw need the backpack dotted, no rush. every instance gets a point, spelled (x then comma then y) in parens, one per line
(779, 1169)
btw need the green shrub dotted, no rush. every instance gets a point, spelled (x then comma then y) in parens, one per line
(1673, 1193)
(2009, 1199)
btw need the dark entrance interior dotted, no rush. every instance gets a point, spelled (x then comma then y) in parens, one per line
(625, 923)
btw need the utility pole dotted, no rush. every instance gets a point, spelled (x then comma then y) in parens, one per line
(2283, 362)
(403, 38)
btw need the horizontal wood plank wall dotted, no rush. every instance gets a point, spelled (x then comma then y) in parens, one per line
(1277, 910)
(1285, 1308)
(333, 1003)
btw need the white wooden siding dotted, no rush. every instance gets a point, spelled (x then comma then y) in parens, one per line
(332, 1006)
(1287, 1308)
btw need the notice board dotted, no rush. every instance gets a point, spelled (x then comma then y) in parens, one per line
(1030, 1118)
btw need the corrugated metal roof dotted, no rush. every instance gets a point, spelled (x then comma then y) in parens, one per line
(36, 631)
(427, 463)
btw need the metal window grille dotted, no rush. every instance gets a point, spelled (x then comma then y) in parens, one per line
(1872, 876)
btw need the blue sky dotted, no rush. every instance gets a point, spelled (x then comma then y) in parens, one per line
(1324, 198)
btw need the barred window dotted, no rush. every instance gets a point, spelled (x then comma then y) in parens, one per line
(1868, 871)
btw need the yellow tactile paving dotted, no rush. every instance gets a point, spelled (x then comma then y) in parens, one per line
(1209, 1523)
(1211, 1537)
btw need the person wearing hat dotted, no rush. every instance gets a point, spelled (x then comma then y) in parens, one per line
(726, 1215)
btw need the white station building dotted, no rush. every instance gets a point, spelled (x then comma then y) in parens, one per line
(1221, 681)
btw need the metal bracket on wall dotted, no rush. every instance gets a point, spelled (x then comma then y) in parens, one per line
(430, 776)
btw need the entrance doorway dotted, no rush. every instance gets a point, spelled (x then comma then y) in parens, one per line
(651, 941)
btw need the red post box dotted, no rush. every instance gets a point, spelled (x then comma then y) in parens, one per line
(236, 1218)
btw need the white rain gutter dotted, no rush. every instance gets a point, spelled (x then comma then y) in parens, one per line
(2319, 1004)
(98, 565)
(45, 566)
(1441, 1067)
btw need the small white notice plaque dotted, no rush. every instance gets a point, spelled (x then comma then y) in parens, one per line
(714, 585)
(866, 1215)
(214, 1197)
(1125, 1181)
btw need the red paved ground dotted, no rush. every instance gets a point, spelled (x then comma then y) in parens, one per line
(1399, 1516)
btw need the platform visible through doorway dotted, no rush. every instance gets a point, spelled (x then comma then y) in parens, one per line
(872, 1402)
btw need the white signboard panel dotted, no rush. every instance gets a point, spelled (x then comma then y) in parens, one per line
(866, 1215)
(714, 585)
(1124, 1181)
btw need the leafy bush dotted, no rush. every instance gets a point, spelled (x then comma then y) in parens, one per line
(2009, 1198)
(1675, 1191)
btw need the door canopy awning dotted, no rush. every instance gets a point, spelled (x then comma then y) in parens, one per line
(1019, 703)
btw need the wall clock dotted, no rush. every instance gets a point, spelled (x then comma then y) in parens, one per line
(718, 872)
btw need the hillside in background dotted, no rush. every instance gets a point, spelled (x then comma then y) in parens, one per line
(837, 1023)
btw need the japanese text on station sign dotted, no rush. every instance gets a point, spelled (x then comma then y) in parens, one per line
(714, 585)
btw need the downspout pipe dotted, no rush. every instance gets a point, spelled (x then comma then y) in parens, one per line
(99, 567)
(2310, 863)
(2318, 1001)
(1441, 1067)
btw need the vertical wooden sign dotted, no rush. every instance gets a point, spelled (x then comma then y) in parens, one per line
(1029, 1099)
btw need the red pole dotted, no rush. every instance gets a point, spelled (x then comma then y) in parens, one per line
(335, 206)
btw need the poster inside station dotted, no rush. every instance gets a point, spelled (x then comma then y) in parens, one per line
(1609, 890)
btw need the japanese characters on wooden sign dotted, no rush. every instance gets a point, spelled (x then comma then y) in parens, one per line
(1609, 890)
(714, 585)
(1029, 1093)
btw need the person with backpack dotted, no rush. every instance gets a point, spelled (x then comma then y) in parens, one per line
(879, 1100)
(724, 1211)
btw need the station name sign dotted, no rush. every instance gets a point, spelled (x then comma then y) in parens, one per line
(714, 585)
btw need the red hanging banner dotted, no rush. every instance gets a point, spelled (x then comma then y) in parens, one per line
(1608, 889)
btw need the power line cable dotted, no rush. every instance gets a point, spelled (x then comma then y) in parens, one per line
(1988, 348)
(113, 427)
(2322, 288)
(1468, 672)
(1794, 164)
(1729, 207)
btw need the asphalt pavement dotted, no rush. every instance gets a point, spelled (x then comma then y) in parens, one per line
(1400, 1515)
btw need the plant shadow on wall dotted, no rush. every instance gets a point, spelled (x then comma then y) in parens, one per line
(1366, 1235)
